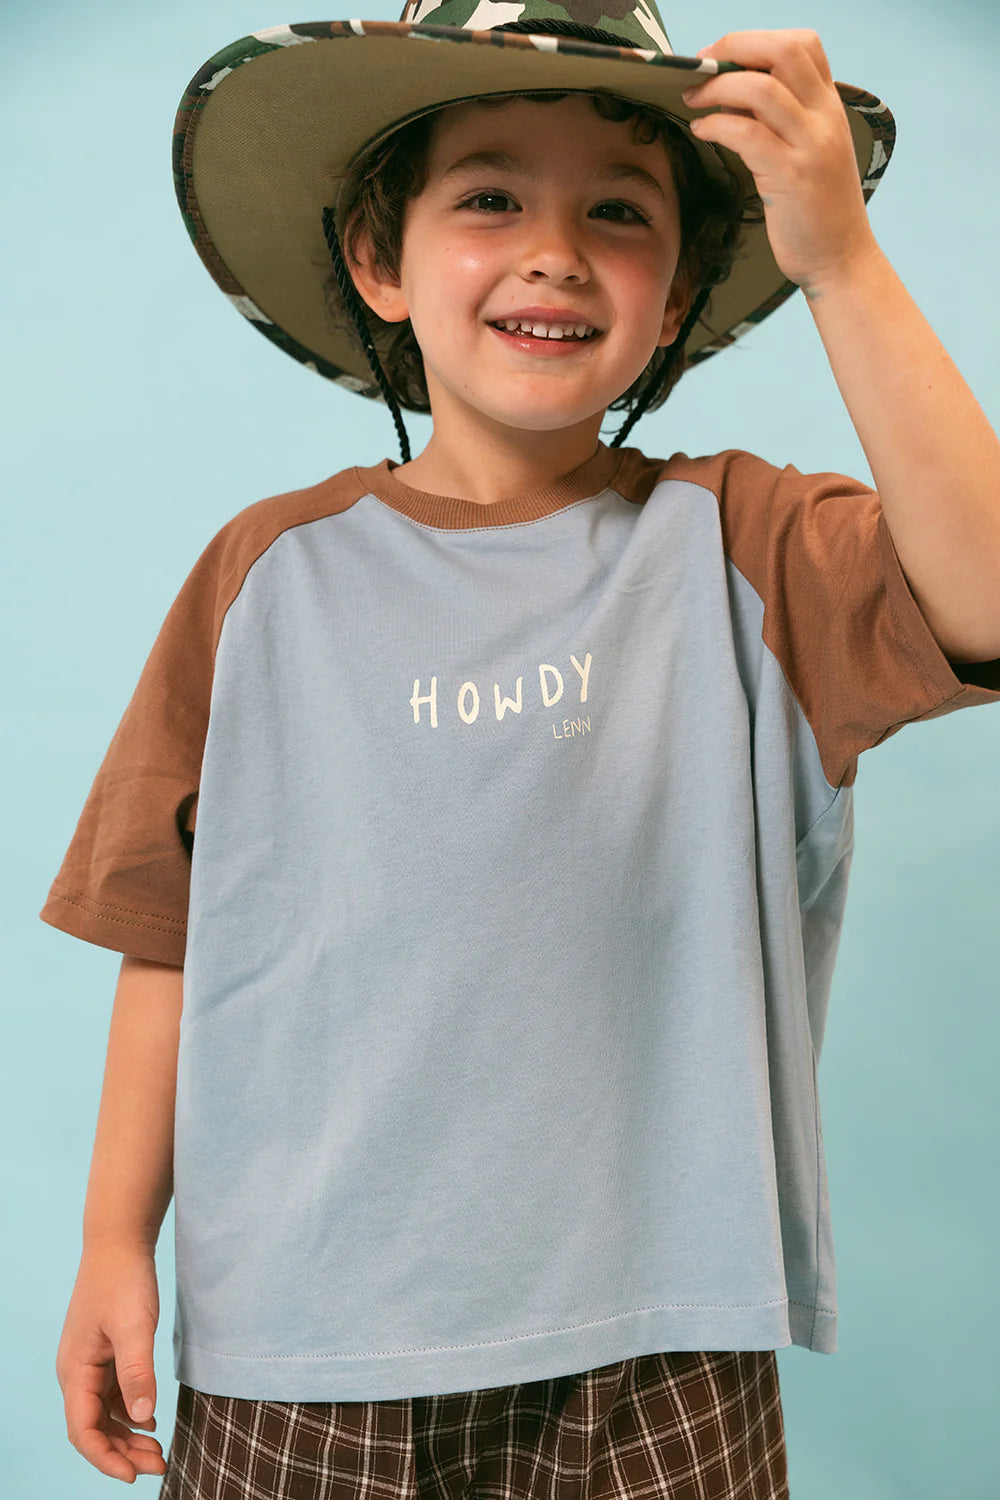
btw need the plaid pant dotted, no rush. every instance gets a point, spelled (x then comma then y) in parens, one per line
(673, 1426)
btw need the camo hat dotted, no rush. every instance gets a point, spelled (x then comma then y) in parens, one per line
(269, 126)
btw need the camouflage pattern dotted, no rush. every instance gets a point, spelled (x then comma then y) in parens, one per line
(469, 21)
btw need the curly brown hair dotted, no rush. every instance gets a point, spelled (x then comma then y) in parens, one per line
(713, 214)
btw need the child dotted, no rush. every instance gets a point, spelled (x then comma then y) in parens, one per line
(492, 811)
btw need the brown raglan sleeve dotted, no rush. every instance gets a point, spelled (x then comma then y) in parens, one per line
(840, 616)
(123, 882)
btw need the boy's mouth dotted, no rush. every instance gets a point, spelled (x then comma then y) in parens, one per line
(543, 344)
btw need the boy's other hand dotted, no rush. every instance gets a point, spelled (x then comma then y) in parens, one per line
(105, 1359)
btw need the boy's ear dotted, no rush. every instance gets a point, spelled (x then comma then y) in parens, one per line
(678, 305)
(384, 297)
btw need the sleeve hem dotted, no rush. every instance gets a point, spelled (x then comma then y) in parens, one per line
(939, 676)
(162, 941)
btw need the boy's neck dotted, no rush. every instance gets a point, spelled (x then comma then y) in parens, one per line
(484, 477)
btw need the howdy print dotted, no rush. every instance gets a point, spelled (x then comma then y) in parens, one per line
(467, 699)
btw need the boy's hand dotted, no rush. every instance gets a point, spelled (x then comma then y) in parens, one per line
(105, 1359)
(790, 127)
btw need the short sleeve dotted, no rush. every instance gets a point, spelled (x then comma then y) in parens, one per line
(841, 617)
(125, 878)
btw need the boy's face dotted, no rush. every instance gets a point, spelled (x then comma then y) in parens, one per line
(567, 236)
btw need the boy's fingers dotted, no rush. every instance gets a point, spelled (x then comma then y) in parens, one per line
(117, 1410)
(137, 1441)
(136, 1380)
(84, 1410)
(101, 1446)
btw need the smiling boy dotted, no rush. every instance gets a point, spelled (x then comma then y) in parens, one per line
(495, 807)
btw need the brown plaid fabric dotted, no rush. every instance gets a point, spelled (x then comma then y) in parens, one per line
(674, 1426)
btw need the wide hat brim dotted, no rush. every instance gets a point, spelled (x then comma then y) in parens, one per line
(268, 124)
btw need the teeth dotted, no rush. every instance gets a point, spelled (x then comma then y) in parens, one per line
(548, 330)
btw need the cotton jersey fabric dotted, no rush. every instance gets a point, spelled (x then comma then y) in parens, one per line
(692, 1426)
(506, 851)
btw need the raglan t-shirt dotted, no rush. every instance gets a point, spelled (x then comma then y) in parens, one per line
(506, 850)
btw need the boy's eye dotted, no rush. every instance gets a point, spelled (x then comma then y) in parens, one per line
(609, 202)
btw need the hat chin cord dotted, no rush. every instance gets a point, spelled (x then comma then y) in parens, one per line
(358, 310)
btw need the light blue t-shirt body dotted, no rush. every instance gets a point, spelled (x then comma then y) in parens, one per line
(520, 863)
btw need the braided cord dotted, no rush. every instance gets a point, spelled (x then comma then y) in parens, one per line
(661, 374)
(356, 308)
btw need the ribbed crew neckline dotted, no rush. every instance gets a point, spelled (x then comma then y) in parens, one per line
(450, 511)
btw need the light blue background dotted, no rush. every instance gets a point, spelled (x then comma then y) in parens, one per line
(140, 412)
